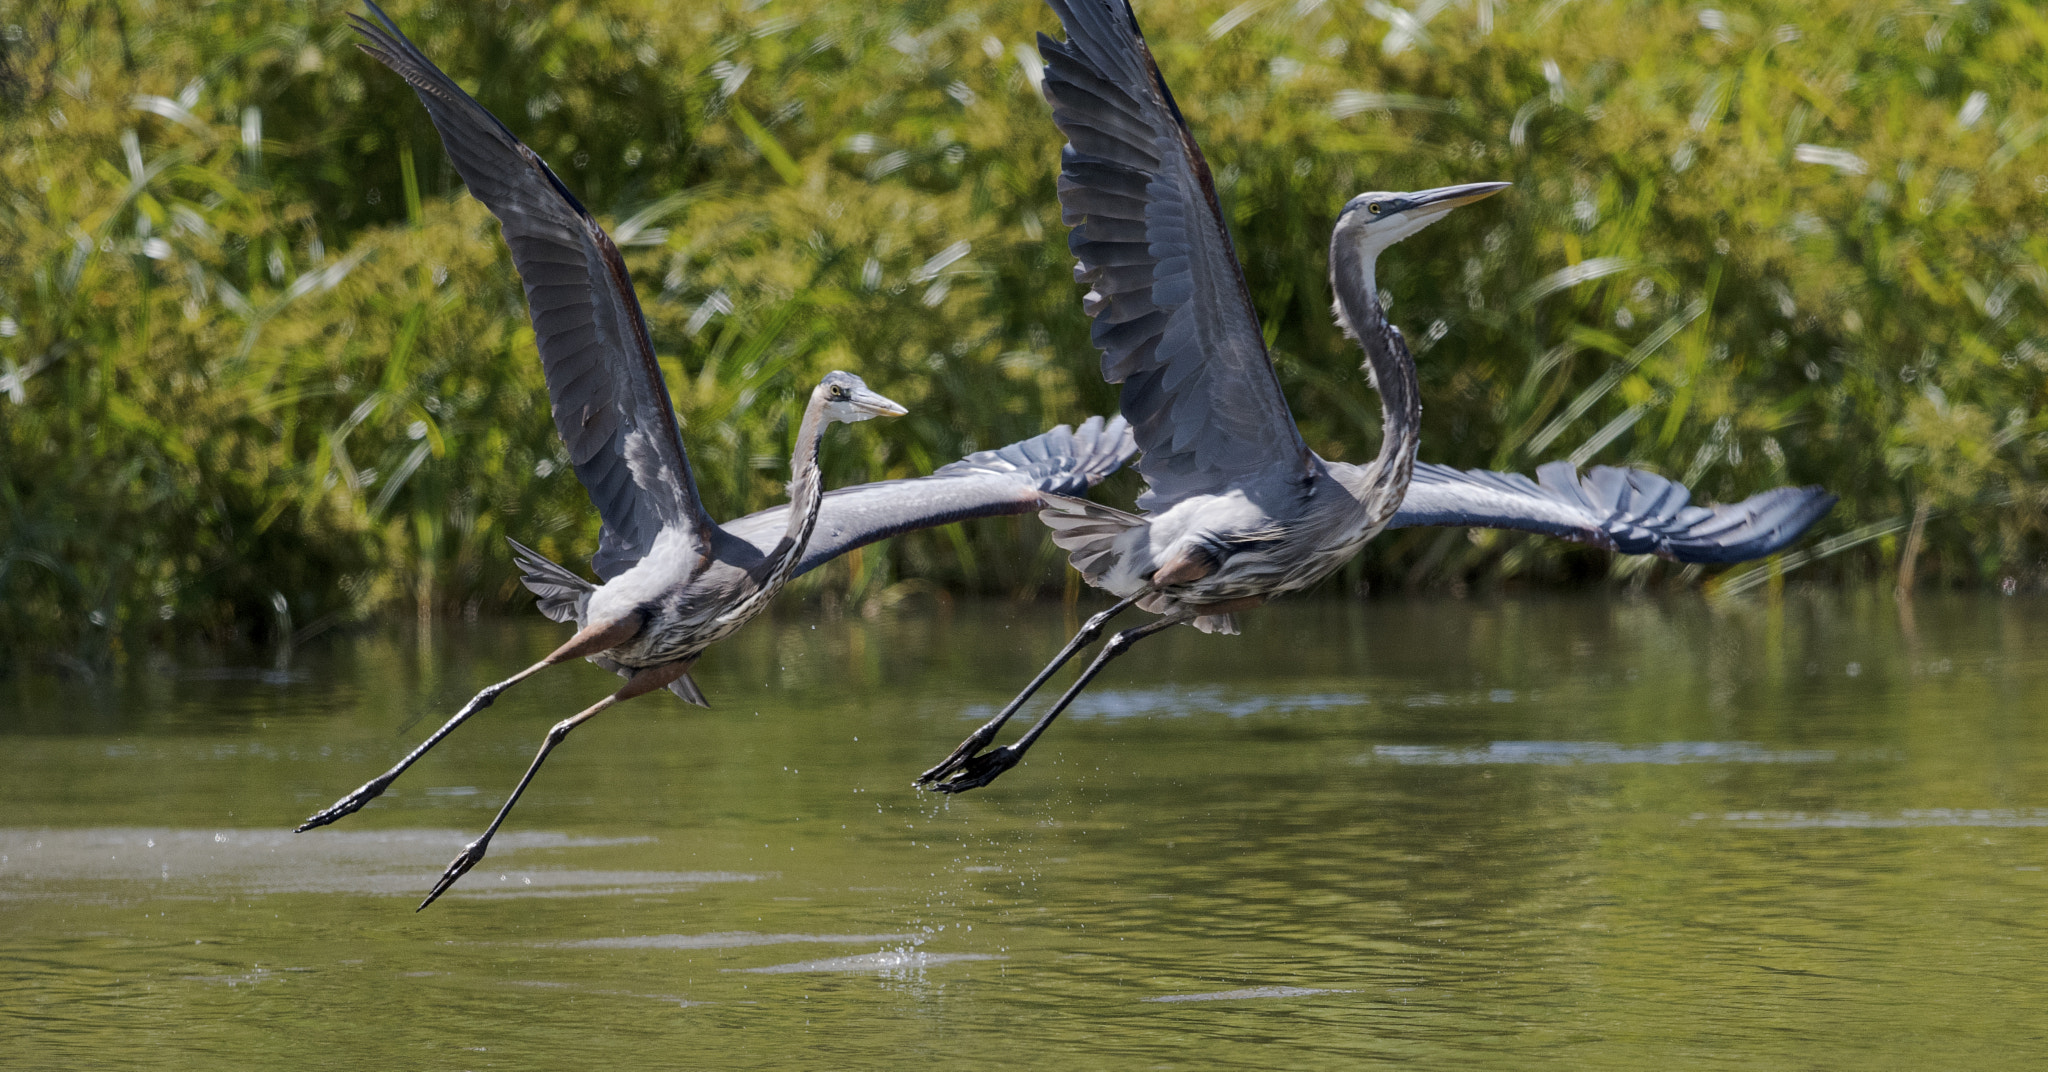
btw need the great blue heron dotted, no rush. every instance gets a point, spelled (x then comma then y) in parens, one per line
(1238, 509)
(674, 582)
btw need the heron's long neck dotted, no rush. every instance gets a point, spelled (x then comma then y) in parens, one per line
(1380, 485)
(806, 491)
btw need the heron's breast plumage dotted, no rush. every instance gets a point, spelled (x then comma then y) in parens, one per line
(685, 603)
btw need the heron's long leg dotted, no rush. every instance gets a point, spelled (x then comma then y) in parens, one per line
(654, 677)
(587, 641)
(981, 738)
(980, 770)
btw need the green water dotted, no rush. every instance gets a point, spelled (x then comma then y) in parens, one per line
(1590, 833)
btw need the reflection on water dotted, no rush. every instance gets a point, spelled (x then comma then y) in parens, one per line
(1558, 753)
(1792, 820)
(1187, 702)
(1602, 833)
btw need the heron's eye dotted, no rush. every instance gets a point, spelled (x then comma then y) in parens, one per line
(1373, 208)
(838, 391)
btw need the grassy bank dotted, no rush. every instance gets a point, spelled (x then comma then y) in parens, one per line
(262, 364)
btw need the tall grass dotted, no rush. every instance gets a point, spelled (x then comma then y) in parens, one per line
(263, 365)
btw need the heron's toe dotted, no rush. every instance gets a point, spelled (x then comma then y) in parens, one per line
(466, 859)
(980, 770)
(322, 818)
(961, 756)
(346, 806)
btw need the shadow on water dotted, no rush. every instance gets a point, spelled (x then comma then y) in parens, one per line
(1539, 832)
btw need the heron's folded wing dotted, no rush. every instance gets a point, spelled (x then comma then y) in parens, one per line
(1172, 315)
(1624, 510)
(610, 404)
(989, 483)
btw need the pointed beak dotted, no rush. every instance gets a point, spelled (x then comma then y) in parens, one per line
(875, 405)
(1446, 198)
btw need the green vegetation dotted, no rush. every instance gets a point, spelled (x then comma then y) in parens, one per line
(263, 364)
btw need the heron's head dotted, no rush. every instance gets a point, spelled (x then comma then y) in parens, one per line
(1378, 220)
(847, 399)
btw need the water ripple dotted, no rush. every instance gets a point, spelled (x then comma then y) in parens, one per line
(1252, 992)
(1863, 820)
(896, 960)
(53, 862)
(725, 940)
(1182, 702)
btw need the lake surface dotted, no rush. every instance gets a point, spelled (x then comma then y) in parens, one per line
(1588, 833)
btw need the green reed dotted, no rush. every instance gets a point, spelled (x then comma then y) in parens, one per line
(264, 367)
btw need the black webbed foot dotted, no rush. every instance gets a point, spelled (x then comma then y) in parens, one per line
(977, 771)
(974, 743)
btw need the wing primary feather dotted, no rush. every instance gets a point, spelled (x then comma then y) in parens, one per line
(611, 406)
(1167, 293)
(1626, 510)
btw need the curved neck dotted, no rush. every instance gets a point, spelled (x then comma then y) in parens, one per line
(806, 489)
(1380, 485)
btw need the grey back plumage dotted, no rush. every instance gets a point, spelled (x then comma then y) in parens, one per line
(989, 483)
(1625, 510)
(1173, 317)
(610, 404)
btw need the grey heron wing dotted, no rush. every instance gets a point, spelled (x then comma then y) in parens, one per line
(1626, 510)
(610, 404)
(988, 483)
(1173, 317)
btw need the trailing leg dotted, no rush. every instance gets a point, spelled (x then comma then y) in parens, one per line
(647, 680)
(588, 641)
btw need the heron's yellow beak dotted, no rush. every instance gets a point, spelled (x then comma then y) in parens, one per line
(875, 405)
(1445, 198)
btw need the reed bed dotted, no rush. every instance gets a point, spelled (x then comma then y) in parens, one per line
(264, 367)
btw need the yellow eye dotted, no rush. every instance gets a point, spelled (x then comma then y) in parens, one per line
(1373, 208)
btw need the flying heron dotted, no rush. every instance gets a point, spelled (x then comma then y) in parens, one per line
(673, 581)
(1238, 509)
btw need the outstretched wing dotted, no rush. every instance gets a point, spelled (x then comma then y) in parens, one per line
(610, 404)
(1626, 510)
(988, 483)
(1172, 315)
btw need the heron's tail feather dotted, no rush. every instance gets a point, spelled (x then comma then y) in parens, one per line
(562, 593)
(1087, 531)
(682, 686)
(688, 690)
